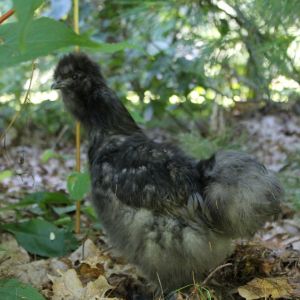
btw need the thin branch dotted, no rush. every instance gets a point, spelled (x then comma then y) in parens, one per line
(26, 100)
(160, 285)
(210, 275)
(6, 15)
(78, 143)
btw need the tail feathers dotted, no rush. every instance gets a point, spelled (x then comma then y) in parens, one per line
(240, 194)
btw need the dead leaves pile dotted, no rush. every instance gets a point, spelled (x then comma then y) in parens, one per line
(69, 286)
(81, 276)
(272, 260)
(90, 274)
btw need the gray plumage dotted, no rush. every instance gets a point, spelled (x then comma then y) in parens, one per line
(169, 214)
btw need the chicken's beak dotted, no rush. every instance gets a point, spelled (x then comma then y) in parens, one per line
(56, 85)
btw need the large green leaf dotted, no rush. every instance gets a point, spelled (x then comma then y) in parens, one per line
(42, 238)
(78, 185)
(12, 289)
(30, 38)
(43, 36)
(24, 11)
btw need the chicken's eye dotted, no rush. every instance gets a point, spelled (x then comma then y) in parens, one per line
(74, 76)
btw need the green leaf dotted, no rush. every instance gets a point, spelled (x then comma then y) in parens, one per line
(13, 289)
(24, 12)
(90, 212)
(63, 221)
(30, 38)
(25, 9)
(44, 35)
(44, 200)
(48, 154)
(42, 238)
(64, 210)
(137, 117)
(41, 199)
(78, 185)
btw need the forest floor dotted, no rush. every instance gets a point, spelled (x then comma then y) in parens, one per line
(265, 267)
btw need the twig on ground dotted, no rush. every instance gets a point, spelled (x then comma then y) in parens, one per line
(2, 260)
(211, 274)
(162, 291)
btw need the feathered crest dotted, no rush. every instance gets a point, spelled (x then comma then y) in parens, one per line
(77, 62)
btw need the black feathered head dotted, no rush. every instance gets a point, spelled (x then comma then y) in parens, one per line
(76, 71)
(88, 98)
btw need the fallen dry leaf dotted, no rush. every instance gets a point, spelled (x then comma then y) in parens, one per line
(11, 255)
(69, 287)
(97, 289)
(88, 273)
(34, 273)
(266, 287)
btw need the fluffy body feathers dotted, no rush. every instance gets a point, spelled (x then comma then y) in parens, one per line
(167, 213)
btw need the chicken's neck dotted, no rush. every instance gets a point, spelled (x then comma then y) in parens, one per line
(101, 111)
